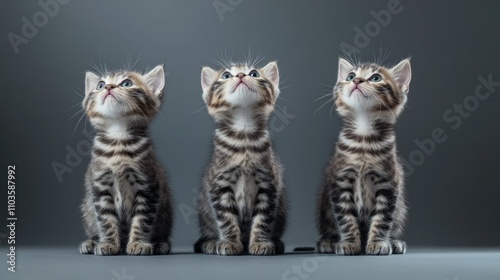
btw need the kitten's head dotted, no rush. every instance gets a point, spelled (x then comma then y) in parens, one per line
(372, 88)
(240, 86)
(123, 94)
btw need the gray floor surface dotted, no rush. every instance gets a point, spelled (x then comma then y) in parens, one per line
(66, 263)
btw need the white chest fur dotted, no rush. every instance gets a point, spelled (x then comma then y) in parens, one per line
(245, 192)
(243, 120)
(364, 123)
(125, 187)
(126, 192)
(364, 197)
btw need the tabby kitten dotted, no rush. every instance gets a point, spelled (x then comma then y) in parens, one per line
(241, 203)
(361, 207)
(127, 204)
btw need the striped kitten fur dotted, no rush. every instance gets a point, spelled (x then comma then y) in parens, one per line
(361, 207)
(241, 204)
(127, 204)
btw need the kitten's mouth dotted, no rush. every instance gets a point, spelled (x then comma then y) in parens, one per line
(358, 90)
(241, 82)
(108, 95)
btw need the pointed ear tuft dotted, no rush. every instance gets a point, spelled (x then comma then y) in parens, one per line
(155, 79)
(208, 76)
(345, 67)
(401, 74)
(91, 81)
(271, 72)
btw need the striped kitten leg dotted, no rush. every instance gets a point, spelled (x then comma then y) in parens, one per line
(328, 232)
(224, 204)
(263, 219)
(398, 246)
(107, 221)
(143, 216)
(381, 217)
(345, 211)
(164, 221)
(90, 223)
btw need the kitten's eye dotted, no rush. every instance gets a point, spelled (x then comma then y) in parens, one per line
(375, 78)
(126, 83)
(226, 75)
(350, 77)
(100, 85)
(254, 74)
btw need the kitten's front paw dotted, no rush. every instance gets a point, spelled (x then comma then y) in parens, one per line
(262, 249)
(106, 249)
(227, 248)
(379, 248)
(87, 247)
(325, 246)
(139, 248)
(347, 248)
(209, 247)
(398, 247)
(163, 248)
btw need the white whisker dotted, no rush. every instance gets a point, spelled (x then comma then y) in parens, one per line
(331, 99)
(331, 109)
(323, 96)
(77, 123)
(75, 114)
(198, 110)
(77, 104)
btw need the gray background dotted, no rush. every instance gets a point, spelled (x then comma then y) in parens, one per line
(453, 195)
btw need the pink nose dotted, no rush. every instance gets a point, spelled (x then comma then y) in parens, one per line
(358, 80)
(110, 87)
(240, 75)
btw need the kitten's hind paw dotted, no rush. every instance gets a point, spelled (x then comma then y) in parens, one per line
(162, 248)
(87, 247)
(325, 246)
(379, 248)
(139, 248)
(106, 249)
(398, 247)
(262, 249)
(347, 248)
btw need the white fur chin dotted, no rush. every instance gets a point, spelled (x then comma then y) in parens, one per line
(357, 101)
(110, 108)
(242, 97)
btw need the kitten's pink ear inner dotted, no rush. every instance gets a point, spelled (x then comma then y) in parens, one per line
(208, 76)
(401, 74)
(155, 79)
(344, 69)
(271, 72)
(91, 81)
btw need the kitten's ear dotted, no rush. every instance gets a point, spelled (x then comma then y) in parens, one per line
(155, 79)
(345, 67)
(207, 77)
(271, 72)
(401, 74)
(91, 81)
